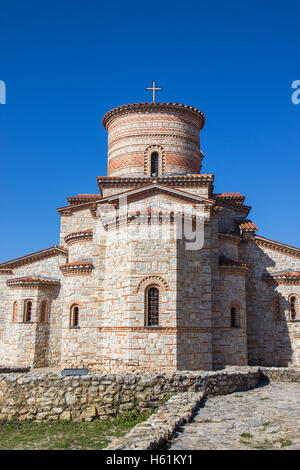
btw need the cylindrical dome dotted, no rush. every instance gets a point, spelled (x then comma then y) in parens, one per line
(153, 138)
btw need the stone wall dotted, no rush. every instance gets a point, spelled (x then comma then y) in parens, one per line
(271, 342)
(40, 396)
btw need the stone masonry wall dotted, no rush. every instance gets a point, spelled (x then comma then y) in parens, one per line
(270, 342)
(45, 396)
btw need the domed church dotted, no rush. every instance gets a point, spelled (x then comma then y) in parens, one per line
(127, 289)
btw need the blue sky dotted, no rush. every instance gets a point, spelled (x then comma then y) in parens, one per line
(65, 64)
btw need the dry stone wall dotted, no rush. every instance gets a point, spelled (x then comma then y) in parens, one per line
(42, 396)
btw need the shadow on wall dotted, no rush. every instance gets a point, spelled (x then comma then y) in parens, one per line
(42, 338)
(268, 332)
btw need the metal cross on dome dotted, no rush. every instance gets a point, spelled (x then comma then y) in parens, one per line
(153, 89)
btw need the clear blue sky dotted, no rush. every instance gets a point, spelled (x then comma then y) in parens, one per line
(66, 63)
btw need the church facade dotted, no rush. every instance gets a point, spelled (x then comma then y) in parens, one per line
(156, 271)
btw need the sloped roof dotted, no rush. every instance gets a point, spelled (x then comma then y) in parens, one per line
(277, 246)
(248, 226)
(234, 197)
(83, 198)
(32, 281)
(284, 277)
(37, 255)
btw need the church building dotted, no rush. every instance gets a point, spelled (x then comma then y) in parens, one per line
(156, 271)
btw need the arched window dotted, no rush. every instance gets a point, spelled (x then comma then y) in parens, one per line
(27, 310)
(44, 311)
(277, 310)
(293, 307)
(235, 317)
(154, 164)
(15, 312)
(74, 316)
(152, 306)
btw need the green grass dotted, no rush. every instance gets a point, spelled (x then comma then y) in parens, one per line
(52, 435)
(285, 442)
(246, 435)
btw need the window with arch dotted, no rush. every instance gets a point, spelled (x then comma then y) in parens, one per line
(28, 311)
(15, 312)
(154, 164)
(44, 311)
(74, 316)
(293, 304)
(235, 317)
(277, 308)
(152, 306)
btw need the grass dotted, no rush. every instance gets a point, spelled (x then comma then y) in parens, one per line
(285, 442)
(246, 435)
(46, 435)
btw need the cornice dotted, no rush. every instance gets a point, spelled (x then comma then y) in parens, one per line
(174, 180)
(5, 272)
(79, 236)
(287, 278)
(36, 256)
(231, 205)
(227, 265)
(31, 282)
(277, 246)
(149, 216)
(152, 108)
(229, 236)
(76, 267)
(153, 329)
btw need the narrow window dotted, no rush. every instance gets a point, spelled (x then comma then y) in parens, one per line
(235, 318)
(293, 311)
(277, 308)
(27, 310)
(152, 306)
(15, 312)
(44, 311)
(74, 316)
(154, 164)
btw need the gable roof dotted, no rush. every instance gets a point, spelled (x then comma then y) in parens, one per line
(277, 246)
(161, 188)
(37, 255)
(285, 277)
(67, 210)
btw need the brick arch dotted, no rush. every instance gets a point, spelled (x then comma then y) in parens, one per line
(297, 306)
(161, 159)
(149, 281)
(234, 303)
(74, 302)
(43, 314)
